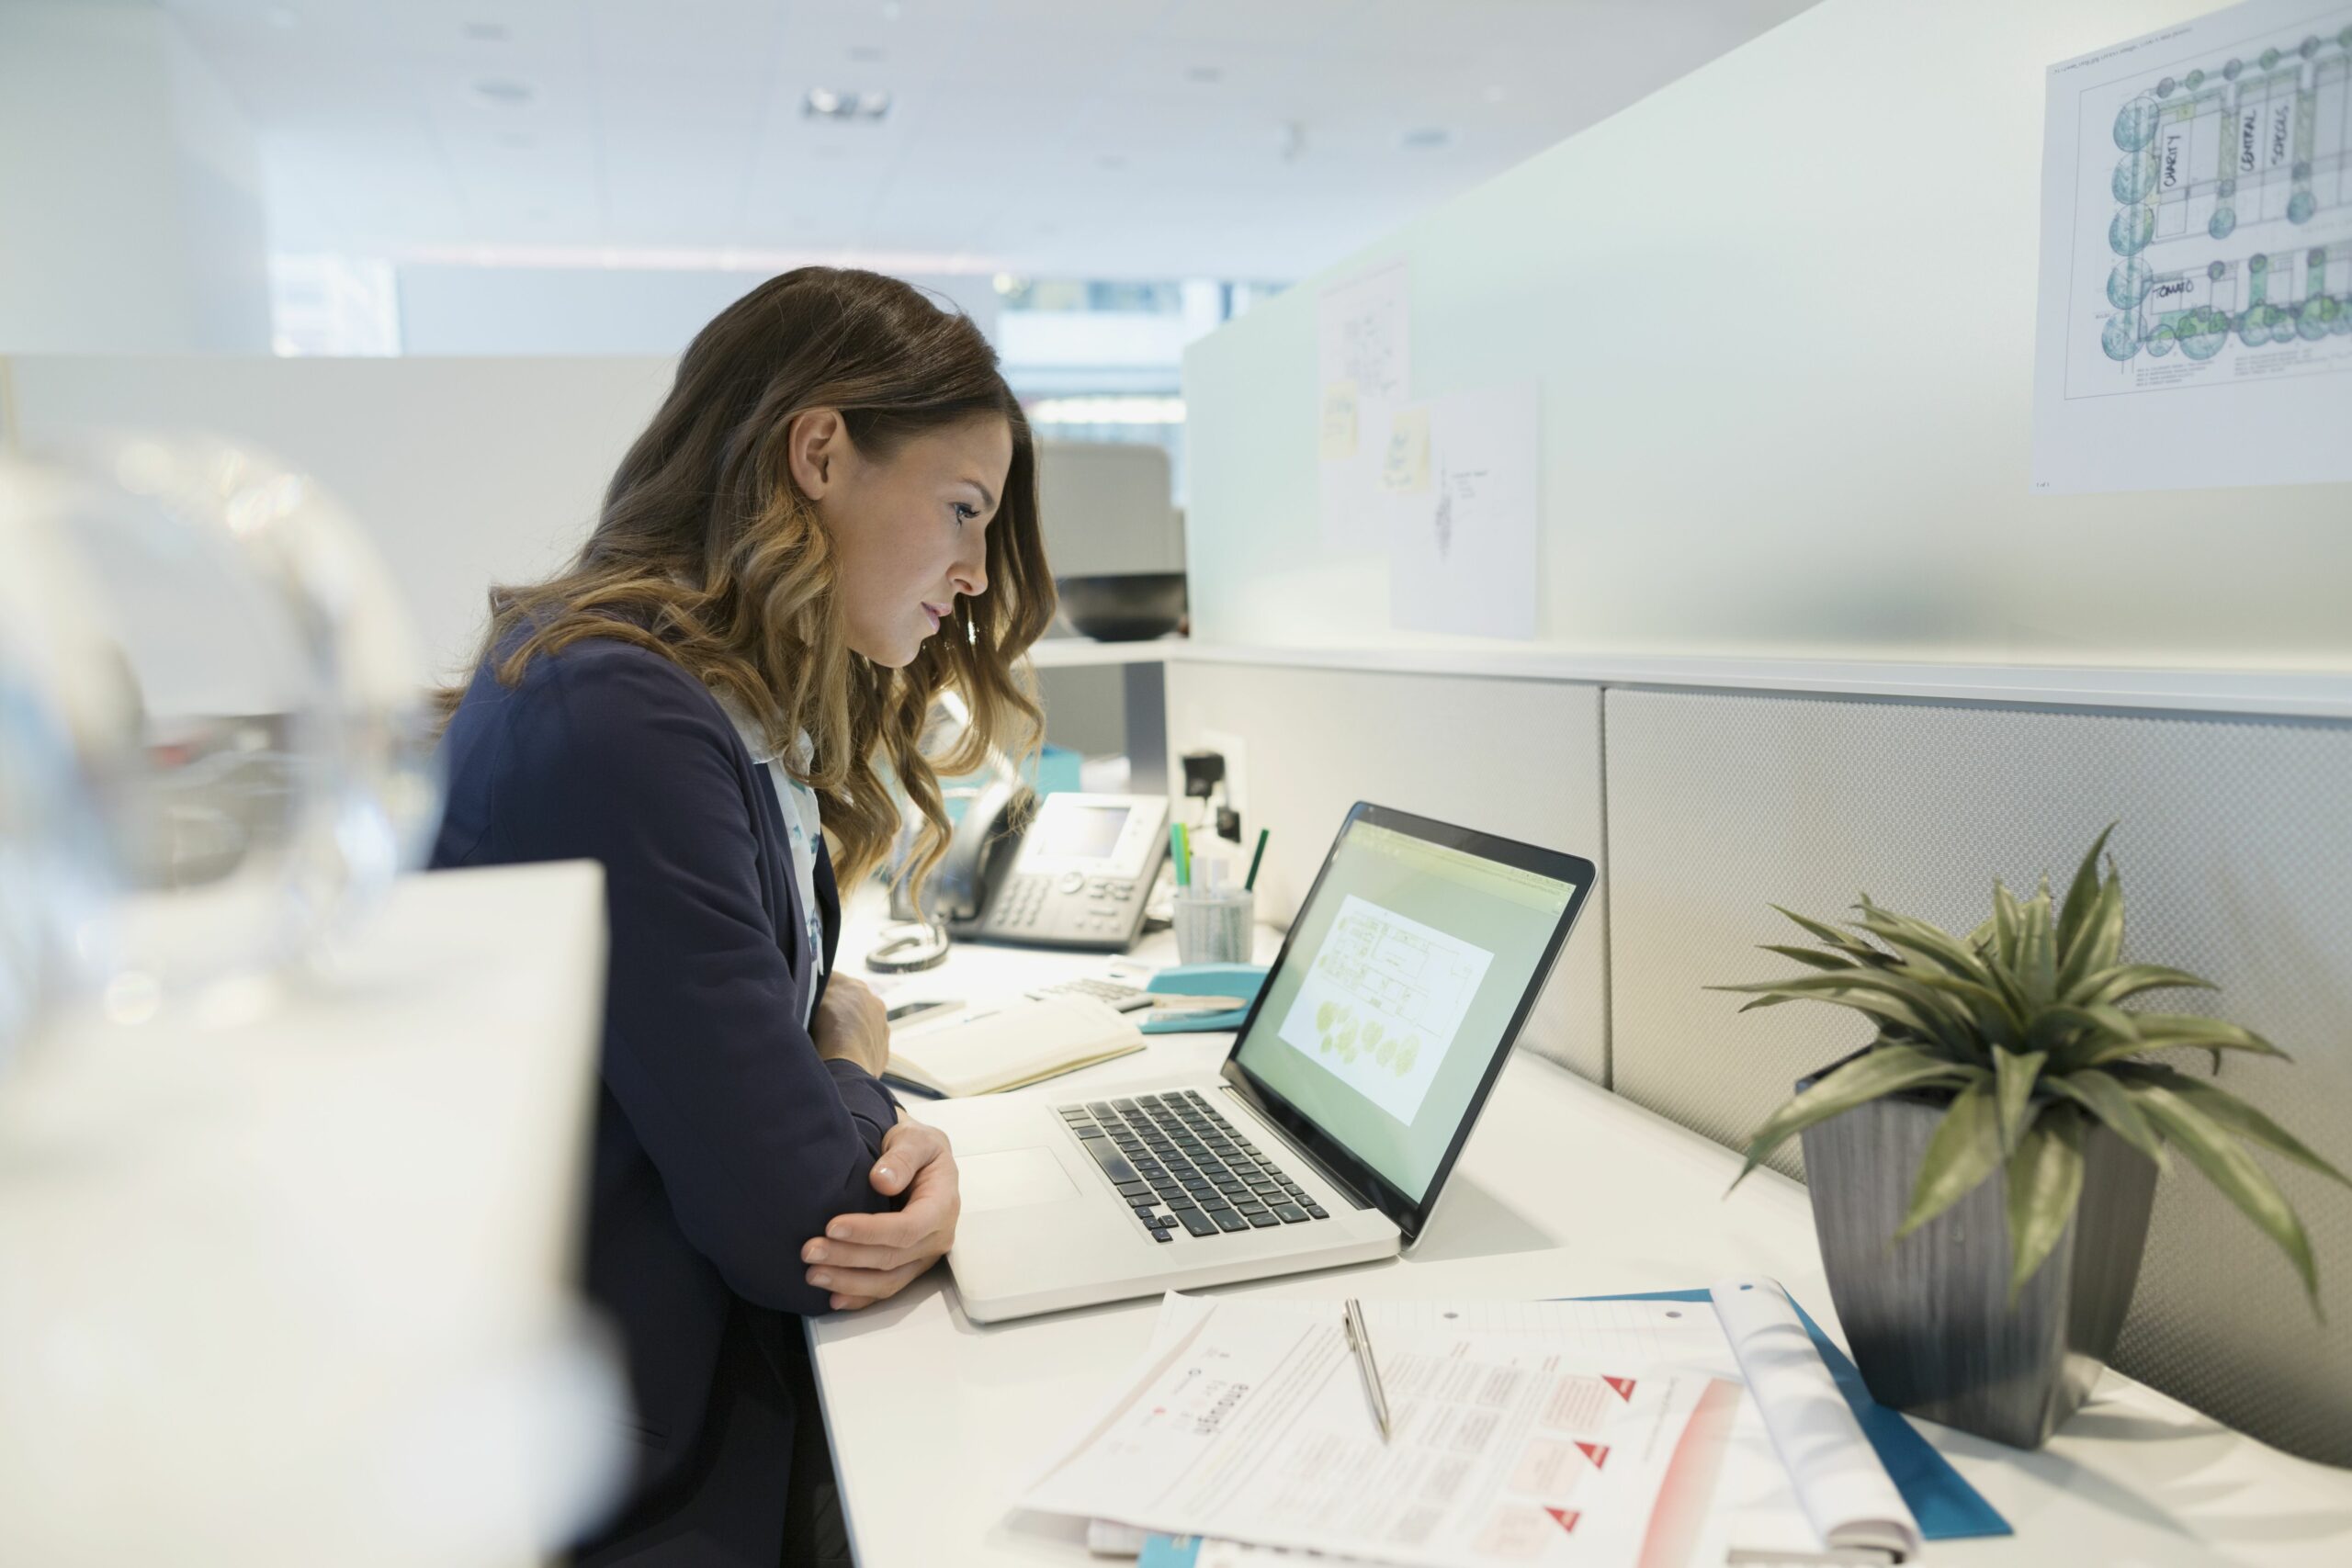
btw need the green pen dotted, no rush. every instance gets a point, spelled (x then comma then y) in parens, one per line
(1249, 884)
(1180, 853)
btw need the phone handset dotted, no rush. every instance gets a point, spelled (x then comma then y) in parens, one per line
(979, 850)
(983, 846)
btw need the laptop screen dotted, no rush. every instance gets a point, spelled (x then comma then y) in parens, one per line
(1405, 970)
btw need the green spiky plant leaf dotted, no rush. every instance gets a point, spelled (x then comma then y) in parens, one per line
(2021, 1022)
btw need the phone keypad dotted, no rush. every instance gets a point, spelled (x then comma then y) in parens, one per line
(1106, 906)
(1024, 901)
(1069, 906)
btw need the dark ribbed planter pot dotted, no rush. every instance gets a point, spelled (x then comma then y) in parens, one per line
(1927, 1318)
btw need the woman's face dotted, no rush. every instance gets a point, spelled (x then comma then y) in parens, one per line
(909, 531)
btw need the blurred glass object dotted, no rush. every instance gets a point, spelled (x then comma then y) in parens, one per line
(217, 748)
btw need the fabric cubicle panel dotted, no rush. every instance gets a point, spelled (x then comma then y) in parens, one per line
(1518, 758)
(2235, 850)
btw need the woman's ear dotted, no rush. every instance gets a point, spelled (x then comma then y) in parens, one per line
(813, 445)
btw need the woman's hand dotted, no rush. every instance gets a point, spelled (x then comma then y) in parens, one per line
(863, 1257)
(851, 1025)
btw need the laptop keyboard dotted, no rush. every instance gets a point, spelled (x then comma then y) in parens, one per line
(1179, 1165)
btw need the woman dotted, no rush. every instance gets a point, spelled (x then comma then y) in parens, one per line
(832, 519)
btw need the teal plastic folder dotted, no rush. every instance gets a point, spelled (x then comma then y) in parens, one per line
(1947, 1507)
(1204, 980)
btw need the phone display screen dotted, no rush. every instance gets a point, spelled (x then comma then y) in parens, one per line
(1078, 832)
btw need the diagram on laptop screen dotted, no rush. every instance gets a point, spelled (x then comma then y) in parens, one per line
(1382, 1004)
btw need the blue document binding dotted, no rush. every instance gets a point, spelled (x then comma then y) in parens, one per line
(1947, 1507)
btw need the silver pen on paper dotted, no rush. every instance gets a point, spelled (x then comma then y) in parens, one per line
(1359, 1346)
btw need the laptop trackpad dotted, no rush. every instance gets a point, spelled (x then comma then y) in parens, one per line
(1008, 1178)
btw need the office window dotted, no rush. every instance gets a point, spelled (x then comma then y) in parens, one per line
(333, 305)
(1102, 360)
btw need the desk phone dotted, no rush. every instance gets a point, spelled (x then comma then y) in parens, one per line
(1080, 879)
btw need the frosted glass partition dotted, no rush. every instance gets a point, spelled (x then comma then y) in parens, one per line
(1783, 315)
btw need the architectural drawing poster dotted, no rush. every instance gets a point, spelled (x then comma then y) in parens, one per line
(1364, 366)
(1461, 476)
(2196, 304)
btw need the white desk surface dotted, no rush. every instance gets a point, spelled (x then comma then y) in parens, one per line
(288, 1274)
(1563, 1190)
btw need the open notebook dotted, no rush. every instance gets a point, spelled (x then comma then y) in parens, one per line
(1000, 1047)
(1780, 1474)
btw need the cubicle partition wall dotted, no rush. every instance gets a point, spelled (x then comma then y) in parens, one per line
(1513, 757)
(464, 473)
(467, 473)
(1782, 315)
(1703, 807)
(2234, 843)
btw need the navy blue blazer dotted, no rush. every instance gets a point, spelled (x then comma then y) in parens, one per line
(722, 1141)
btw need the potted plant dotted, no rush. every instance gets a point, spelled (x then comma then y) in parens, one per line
(1991, 1305)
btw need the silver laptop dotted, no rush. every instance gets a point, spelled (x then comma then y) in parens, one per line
(1325, 1139)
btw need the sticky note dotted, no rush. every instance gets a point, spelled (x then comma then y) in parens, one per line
(1339, 438)
(1406, 471)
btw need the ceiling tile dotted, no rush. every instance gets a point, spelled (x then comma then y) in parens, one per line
(1239, 138)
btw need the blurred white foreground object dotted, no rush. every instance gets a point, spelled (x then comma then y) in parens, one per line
(298, 1288)
(217, 750)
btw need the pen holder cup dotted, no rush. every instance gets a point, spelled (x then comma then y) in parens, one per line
(1213, 926)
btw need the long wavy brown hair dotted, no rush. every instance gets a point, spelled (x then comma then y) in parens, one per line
(706, 552)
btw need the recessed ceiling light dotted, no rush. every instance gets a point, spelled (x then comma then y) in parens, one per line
(488, 32)
(1425, 138)
(1006, 283)
(500, 90)
(833, 103)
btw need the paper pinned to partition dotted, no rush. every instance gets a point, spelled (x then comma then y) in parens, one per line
(1363, 374)
(1463, 542)
(2196, 284)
